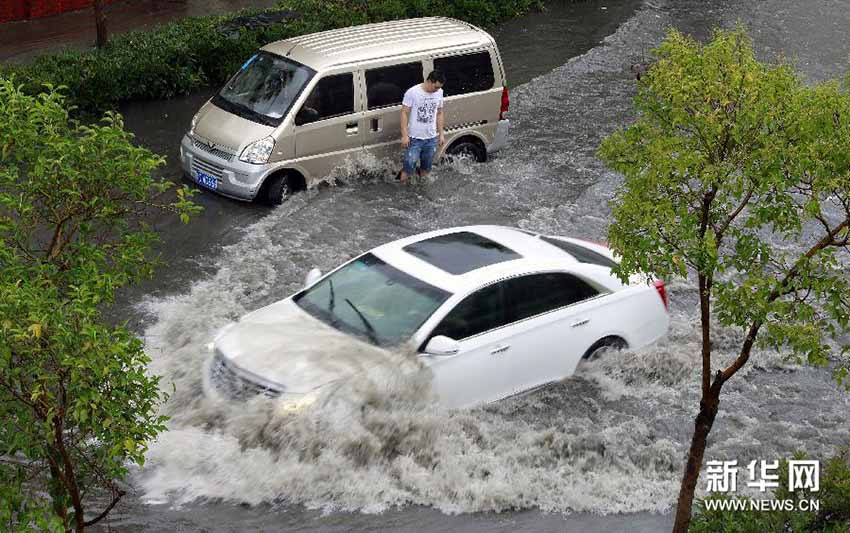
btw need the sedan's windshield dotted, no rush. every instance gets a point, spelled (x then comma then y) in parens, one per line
(264, 88)
(374, 300)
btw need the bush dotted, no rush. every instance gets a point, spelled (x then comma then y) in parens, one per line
(188, 54)
(833, 515)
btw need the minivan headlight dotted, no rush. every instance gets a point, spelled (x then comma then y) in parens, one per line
(192, 126)
(258, 151)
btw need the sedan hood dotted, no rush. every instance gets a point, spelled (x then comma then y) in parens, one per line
(285, 345)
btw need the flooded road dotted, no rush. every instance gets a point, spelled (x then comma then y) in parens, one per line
(530, 46)
(610, 440)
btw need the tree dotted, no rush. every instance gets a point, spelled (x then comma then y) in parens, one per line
(725, 152)
(76, 402)
(100, 24)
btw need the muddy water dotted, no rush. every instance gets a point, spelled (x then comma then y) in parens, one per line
(531, 46)
(610, 440)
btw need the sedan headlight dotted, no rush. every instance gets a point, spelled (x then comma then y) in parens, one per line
(293, 403)
(258, 152)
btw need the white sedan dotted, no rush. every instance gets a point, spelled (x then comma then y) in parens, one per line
(493, 311)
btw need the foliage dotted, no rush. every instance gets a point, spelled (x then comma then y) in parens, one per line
(727, 151)
(832, 516)
(727, 157)
(76, 403)
(185, 55)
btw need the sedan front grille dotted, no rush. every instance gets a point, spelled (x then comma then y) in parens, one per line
(233, 385)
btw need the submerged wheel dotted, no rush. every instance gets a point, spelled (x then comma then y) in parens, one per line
(278, 188)
(602, 346)
(466, 149)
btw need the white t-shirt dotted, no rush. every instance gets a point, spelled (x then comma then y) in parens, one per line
(423, 111)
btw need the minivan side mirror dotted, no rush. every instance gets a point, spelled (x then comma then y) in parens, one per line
(312, 277)
(442, 345)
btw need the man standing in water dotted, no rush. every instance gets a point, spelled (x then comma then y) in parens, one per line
(422, 124)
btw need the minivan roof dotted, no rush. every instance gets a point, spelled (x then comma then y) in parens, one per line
(379, 40)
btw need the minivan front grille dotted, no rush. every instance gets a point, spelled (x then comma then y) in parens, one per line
(207, 168)
(216, 151)
(232, 385)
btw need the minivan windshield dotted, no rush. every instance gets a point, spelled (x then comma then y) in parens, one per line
(264, 88)
(374, 300)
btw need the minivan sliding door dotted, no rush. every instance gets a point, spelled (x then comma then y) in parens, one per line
(385, 88)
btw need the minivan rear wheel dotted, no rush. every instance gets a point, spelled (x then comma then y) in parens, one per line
(466, 149)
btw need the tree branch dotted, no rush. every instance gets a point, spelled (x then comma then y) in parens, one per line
(778, 291)
(734, 214)
(117, 494)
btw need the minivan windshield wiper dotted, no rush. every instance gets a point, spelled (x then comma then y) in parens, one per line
(373, 336)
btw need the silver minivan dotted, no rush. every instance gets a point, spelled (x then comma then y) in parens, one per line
(301, 108)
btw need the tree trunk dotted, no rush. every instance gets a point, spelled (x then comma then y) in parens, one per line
(702, 427)
(100, 23)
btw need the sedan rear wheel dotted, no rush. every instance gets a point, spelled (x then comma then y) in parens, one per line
(603, 346)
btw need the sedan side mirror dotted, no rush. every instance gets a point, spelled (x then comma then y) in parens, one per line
(442, 345)
(312, 277)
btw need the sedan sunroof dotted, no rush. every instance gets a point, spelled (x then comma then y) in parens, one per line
(462, 252)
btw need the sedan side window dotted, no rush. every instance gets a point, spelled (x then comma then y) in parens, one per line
(528, 296)
(481, 311)
(331, 97)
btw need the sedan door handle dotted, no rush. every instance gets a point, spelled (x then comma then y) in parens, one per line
(500, 349)
(581, 322)
(351, 128)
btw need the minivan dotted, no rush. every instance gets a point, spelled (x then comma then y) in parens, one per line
(300, 108)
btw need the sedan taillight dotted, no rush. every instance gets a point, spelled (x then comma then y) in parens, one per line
(662, 292)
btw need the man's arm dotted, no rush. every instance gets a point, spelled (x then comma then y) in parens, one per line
(405, 117)
(440, 122)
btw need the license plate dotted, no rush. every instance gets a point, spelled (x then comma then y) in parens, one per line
(206, 180)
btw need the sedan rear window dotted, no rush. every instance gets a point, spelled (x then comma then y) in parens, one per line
(581, 254)
(462, 252)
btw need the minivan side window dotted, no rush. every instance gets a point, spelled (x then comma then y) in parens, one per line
(481, 311)
(532, 295)
(467, 73)
(331, 97)
(386, 86)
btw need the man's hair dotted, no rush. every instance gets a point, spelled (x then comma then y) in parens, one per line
(437, 76)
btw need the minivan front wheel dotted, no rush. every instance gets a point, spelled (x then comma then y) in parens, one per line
(466, 149)
(277, 189)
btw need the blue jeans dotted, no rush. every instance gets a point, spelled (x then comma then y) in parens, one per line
(420, 151)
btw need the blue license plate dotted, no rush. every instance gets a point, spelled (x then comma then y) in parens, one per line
(206, 180)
